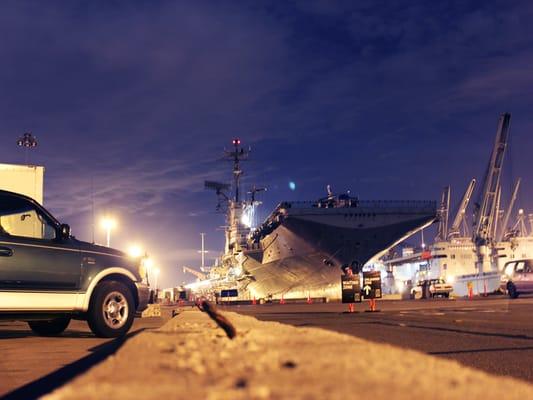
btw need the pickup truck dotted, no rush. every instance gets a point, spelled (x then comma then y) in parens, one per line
(48, 277)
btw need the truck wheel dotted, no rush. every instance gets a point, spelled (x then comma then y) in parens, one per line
(51, 327)
(111, 309)
(511, 290)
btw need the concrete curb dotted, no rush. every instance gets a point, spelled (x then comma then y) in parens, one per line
(190, 358)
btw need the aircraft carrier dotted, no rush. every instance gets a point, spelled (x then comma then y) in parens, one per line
(299, 250)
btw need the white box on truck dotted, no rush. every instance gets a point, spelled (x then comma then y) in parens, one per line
(23, 179)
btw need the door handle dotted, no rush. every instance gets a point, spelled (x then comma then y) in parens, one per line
(5, 252)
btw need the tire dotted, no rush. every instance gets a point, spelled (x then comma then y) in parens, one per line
(111, 309)
(51, 327)
(511, 290)
(446, 295)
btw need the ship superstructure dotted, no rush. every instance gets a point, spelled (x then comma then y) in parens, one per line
(300, 248)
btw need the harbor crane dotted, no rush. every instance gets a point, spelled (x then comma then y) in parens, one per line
(519, 228)
(460, 226)
(201, 276)
(483, 224)
(504, 230)
(488, 208)
(444, 212)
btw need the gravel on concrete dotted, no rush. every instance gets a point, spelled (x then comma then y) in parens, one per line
(191, 358)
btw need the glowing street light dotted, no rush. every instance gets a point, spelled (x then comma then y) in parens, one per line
(108, 224)
(148, 264)
(135, 251)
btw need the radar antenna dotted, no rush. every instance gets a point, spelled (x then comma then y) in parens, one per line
(255, 190)
(219, 189)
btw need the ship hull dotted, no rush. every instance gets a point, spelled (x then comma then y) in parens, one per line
(302, 258)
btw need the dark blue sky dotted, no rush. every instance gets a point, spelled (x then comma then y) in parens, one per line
(392, 100)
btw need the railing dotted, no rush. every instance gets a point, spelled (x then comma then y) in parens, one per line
(361, 204)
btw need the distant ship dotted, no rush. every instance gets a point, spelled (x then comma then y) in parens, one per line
(299, 250)
(478, 257)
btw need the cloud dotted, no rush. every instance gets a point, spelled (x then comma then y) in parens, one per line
(133, 102)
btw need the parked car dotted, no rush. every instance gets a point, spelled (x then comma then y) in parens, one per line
(433, 287)
(48, 277)
(517, 277)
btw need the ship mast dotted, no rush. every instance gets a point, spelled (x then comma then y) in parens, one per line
(236, 230)
(237, 155)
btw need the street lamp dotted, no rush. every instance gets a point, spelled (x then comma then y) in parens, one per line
(135, 251)
(108, 224)
(27, 141)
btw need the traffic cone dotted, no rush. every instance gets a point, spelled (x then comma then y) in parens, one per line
(371, 305)
(282, 300)
(309, 300)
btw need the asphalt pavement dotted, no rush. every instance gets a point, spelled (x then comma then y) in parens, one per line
(31, 366)
(493, 334)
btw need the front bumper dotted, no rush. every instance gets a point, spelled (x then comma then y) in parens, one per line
(143, 292)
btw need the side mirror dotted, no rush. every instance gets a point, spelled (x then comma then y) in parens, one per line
(64, 231)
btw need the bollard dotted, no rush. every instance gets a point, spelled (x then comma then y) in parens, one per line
(484, 288)
(309, 300)
(254, 302)
(282, 301)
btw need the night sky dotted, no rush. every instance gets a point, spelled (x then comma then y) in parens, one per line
(134, 102)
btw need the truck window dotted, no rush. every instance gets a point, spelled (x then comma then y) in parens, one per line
(529, 266)
(509, 268)
(19, 217)
(520, 266)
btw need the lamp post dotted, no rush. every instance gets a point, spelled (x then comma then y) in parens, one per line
(203, 252)
(108, 224)
(27, 141)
